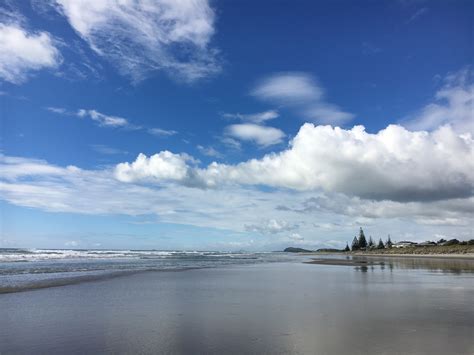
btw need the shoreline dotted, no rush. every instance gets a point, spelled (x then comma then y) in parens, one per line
(68, 280)
(467, 256)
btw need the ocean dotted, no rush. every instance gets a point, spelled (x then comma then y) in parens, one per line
(24, 269)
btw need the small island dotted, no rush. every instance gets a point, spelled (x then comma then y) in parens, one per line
(297, 250)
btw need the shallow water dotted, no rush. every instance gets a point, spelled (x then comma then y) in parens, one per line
(411, 307)
(26, 269)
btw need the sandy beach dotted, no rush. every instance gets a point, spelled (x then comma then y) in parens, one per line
(277, 308)
(468, 256)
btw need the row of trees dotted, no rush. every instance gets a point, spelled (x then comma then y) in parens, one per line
(361, 243)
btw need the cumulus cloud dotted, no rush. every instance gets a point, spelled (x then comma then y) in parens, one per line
(244, 209)
(164, 166)
(141, 37)
(257, 118)
(264, 136)
(303, 93)
(23, 52)
(393, 164)
(453, 104)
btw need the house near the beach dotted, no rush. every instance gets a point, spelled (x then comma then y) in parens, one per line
(404, 244)
(426, 244)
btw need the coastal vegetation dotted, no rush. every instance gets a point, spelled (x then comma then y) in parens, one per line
(360, 245)
(453, 246)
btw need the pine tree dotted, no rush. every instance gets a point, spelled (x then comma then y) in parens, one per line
(362, 240)
(347, 248)
(380, 245)
(355, 244)
(371, 242)
(389, 242)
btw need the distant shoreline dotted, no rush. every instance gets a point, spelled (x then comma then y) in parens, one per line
(458, 251)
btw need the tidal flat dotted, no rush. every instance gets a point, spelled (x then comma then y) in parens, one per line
(291, 307)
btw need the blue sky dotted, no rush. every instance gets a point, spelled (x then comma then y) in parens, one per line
(273, 92)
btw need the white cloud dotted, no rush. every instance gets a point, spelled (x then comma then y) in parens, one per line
(296, 237)
(102, 119)
(106, 150)
(58, 110)
(453, 104)
(162, 166)
(38, 184)
(262, 135)
(289, 87)
(365, 211)
(271, 226)
(253, 130)
(209, 151)
(231, 142)
(257, 118)
(327, 113)
(141, 37)
(23, 52)
(301, 92)
(393, 164)
(13, 168)
(161, 132)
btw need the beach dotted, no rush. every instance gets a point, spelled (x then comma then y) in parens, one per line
(287, 307)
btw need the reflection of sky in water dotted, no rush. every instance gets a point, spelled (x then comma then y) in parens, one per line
(432, 264)
(452, 266)
(266, 308)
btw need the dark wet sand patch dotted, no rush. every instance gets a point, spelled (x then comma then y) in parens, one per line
(343, 262)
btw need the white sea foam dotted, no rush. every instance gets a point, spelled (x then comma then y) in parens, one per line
(15, 255)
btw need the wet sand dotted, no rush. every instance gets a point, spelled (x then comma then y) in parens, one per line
(343, 262)
(411, 262)
(469, 256)
(281, 308)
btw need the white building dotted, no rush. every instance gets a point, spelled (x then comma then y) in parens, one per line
(404, 244)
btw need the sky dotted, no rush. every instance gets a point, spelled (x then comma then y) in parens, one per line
(234, 125)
